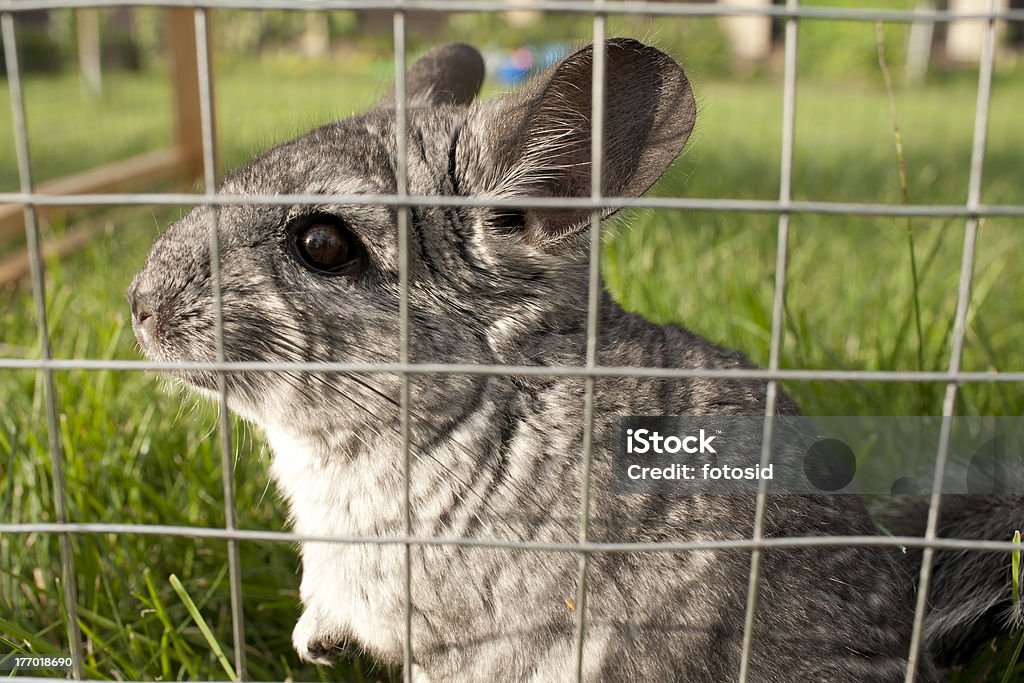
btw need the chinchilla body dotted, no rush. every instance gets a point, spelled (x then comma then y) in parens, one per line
(501, 457)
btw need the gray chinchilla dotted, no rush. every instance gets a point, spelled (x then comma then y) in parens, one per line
(501, 457)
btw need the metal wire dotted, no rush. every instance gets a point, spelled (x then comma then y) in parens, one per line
(207, 127)
(60, 502)
(739, 544)
(784, 206)
(775, 348)
(681, 203)
(597, 95)
(402, 190)
(959, 330)
(917, 376)
(667, 9)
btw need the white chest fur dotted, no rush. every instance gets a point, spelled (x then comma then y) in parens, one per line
(346, 587)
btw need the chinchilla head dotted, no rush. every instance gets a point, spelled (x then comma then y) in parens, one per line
(321, 283)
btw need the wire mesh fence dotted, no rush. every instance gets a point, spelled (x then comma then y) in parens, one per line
(785, 207)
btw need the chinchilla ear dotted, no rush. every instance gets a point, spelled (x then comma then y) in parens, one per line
(537, 143)
(450, 74)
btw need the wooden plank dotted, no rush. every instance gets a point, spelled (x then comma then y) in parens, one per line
(120, 176)
(16, 266)
(87, 21)
(181, 39)
(185, 158)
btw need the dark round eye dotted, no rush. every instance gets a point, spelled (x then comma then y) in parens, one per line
(508, 221)
(325, 246)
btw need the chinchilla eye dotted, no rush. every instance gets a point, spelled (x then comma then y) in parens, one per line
(324, 245)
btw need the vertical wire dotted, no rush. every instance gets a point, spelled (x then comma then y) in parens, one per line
(981, 117)
(402, 190)
(593, 304)
(227, 461)
(36, 267)
(771, 392)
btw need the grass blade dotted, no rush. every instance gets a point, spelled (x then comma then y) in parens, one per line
(901, 160)
(201, 623)
(1015, 582)
(1008, 674)
(180, 647)
(1015, 569)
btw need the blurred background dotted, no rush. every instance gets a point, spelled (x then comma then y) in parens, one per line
(111, 106)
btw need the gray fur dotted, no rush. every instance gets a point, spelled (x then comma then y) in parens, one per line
(500, 457)
(450, 74)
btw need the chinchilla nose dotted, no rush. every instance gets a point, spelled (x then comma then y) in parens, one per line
(142, 305)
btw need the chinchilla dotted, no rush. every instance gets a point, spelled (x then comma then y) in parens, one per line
(500, 457)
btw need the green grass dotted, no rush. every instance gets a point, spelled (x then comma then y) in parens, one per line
(136, 453)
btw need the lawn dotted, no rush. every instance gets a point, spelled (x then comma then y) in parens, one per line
(136, 452)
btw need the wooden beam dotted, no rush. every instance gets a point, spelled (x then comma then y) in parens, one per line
(185, 158)
(16, 266)
(87, 21)
(120, 176)
(181, 39)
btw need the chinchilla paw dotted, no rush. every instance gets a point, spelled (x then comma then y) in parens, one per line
(316, 643)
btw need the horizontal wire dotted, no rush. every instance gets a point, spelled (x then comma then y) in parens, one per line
(692, 204)
(220, 533)
(668, 9)
(516, 370)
